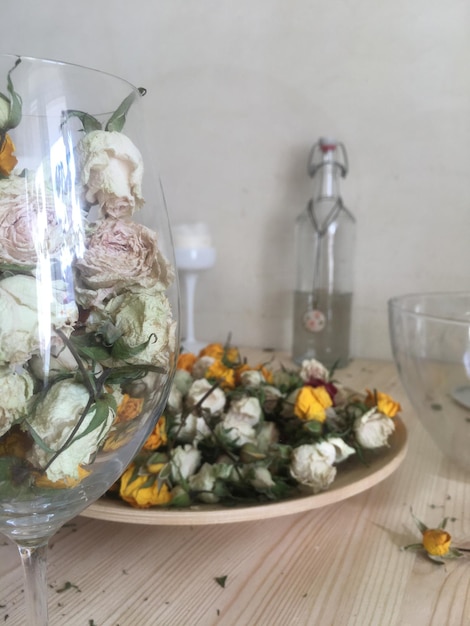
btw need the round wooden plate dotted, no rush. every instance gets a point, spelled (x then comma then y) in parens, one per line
(352, 478)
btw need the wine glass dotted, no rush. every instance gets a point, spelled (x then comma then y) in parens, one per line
(430, 337)
(194, 253)
(88, 298)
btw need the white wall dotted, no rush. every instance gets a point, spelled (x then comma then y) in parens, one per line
(239, 90)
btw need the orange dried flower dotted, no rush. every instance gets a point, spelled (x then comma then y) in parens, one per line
(7, 159)
(158, 436)
(64, 483)
(186, 361)
(129, 408)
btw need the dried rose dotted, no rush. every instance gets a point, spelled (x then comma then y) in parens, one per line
(118, 256)
(111, 172)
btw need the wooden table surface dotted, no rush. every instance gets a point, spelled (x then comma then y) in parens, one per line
(337, 565)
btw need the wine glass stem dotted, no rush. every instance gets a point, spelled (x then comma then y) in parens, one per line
(34, 561)
(190, 279)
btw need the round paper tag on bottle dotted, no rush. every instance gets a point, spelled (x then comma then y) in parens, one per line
(314, 321)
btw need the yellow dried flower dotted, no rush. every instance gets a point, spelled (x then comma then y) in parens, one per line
(140, 492)
(436, 541)
(221, 372)
(311, 402)
(384, 403)
(218, 351)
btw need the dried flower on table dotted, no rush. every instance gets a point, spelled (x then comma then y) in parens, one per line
(237, 433)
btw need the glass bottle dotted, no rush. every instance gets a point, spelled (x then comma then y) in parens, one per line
(325, 248)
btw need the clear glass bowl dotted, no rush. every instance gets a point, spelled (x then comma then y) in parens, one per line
(430, 338)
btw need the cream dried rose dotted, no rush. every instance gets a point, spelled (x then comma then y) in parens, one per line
(252, 378)
(312, 465)
(262, 479)
(214, 402)
(54, 419)
(185, 460)
(373, 429)
(118, 256)
(245, 409)
(140, 317)
(193, 429)
(25, 213)
(313, 369)
(111, 172)
(20, 333)
(17, 389)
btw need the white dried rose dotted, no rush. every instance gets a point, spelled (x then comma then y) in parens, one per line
(252, 378)
(215, 401)
(111, 172)
(203, 482)
(17, 389)
(262, 479)
(373, 429)
(54, 419)
(201, 366)
(342, 449)
(246, 409)
(20, 333)
(313, 369)
(312, 465)
(193, 429)
(25, 212)
(182, 381)
(175, 399)
(233, 430)
(185, 460)
(139, 317)
(64, 361)
(120, 256)
(238, 423)
(272, 396)
(267, 434)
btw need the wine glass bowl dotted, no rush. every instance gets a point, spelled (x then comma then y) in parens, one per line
(88, 297)
(430, 338)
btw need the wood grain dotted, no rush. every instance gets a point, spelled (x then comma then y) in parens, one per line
(334, 566)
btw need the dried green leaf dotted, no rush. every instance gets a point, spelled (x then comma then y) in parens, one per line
(122, 351)
(118, 118)
(422, 527)
(14, 117)
(100, 417)
(68, 585)
(221, 580)
(88, 122)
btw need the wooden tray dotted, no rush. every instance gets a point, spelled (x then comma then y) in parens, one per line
(352, 478)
